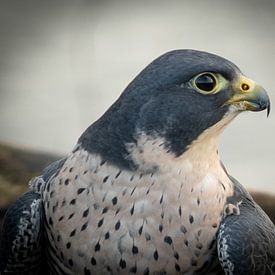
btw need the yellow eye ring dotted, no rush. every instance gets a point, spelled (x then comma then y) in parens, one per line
(206, 83)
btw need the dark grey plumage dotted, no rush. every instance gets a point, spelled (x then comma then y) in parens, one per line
(23, 240)
(22, 248)
(246, 243)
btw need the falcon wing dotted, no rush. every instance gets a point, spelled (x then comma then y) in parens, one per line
(22, 238)
(246, 242)
(22, 248)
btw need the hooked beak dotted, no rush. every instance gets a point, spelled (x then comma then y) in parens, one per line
(249, 96)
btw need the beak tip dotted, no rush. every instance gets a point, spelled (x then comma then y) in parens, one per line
(268, 110)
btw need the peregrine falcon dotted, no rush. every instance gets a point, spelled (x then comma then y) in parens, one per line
(144, 190)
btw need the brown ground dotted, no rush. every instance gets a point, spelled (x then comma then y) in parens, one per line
(18, 166)
(267, 202)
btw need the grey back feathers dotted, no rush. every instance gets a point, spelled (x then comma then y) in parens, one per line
(22, 241)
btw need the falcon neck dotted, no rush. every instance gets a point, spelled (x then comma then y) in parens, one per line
(150, 154)
(117, 141)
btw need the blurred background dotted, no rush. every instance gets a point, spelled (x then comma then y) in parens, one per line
(62, 63)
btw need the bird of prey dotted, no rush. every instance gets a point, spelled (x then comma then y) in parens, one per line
(144, 190)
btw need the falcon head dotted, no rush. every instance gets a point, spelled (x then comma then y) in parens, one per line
(175, 100)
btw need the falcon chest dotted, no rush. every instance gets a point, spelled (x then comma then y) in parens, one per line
(106, 220)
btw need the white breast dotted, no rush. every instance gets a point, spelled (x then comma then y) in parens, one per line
(161, 219)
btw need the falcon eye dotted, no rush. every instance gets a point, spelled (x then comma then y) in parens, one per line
(205, 82)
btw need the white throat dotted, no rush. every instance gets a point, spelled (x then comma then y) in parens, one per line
(150, 151)
(199, 163)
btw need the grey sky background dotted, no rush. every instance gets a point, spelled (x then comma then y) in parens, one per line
(62, 63)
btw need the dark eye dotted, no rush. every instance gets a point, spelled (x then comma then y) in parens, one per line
(206, 82)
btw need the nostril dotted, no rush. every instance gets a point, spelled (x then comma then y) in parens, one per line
(245, 87)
